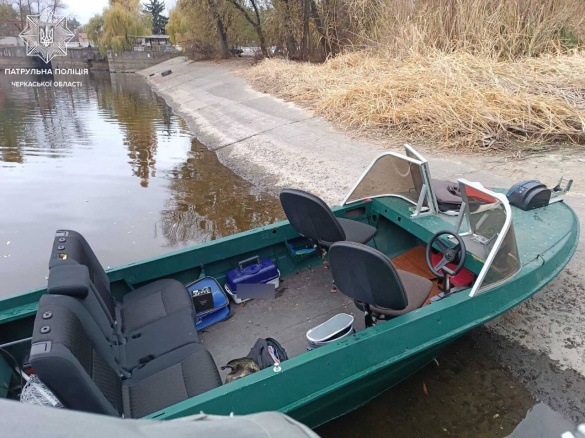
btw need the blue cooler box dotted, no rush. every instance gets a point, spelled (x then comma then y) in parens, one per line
(251, 271)
(221, 307)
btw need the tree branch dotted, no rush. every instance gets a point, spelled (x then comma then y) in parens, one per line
(243, 11)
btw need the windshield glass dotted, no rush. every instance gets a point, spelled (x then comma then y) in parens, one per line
(390, 175)
(491, 237)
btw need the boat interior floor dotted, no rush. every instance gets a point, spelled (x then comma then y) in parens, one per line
(303, 301)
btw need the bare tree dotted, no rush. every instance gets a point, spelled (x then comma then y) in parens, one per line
(23, 8)
(290, 41)
(224, 50)
(327, 31)
(38, 7)
(8, 19)
(55, 6)
(255, 22)
(305, 40)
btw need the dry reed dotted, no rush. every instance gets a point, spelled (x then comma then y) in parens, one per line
(503, 29)
(472, 73)
(457, 100)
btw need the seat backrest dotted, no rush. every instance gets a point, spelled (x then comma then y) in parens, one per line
(310, 216)
(71, 356)
(72, 279)
(70, 245)
(366, 275)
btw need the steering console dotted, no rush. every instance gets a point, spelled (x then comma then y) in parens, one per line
(450, 255)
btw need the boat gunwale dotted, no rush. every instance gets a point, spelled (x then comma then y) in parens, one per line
(276, 233)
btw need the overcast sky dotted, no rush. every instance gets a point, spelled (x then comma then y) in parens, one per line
(83, 10)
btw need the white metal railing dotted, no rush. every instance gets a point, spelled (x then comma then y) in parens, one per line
(500, 237)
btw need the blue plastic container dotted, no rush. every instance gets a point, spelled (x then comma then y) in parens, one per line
(221, 303)
(251, 271)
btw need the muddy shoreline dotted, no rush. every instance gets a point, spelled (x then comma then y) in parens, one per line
(275, 144)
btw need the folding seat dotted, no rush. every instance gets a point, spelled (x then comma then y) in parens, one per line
(133, 344)
(313, 219)
(73, 358)
(139, 307)
(369, 277)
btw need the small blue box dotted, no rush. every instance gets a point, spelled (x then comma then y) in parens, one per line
(251, 271)
(221, 308)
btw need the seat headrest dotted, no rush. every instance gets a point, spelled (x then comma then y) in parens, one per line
(71, 279)
(68, 245)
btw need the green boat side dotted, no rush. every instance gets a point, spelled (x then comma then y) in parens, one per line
(343, 376)
(212, 258)
(348, 373)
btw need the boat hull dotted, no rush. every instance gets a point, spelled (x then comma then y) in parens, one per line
(348, 398)
(323, 384)
(320, 385)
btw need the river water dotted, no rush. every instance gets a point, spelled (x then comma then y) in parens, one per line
(111, 160)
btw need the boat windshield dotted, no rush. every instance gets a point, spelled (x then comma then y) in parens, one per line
(490, 235)
(392, 174)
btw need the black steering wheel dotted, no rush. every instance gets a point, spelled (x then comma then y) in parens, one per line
(450, 255)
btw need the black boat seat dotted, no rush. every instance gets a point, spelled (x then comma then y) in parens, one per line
(310, 216)
(71, 356)
(368, 277)
(138, 307)
(417, 291)
(354, 232)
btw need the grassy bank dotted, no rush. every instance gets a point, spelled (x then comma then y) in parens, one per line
(458, 100)
(472, 74)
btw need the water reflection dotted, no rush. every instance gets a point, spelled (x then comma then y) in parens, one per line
(206, 204)
(111, 160)
(137, 108)
(34, 121)
(10, 132)
(464, 393)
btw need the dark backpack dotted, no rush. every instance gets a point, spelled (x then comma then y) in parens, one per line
(260, 352)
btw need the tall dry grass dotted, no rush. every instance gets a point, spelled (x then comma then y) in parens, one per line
(458, 100)
(469, 74)
(503, 29)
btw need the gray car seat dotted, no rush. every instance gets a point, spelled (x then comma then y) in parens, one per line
(72, 357)
(150, 321)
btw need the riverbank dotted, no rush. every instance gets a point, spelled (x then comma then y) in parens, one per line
(276, 144)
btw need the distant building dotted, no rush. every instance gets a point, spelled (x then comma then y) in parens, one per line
(156, 43)
(79, 40)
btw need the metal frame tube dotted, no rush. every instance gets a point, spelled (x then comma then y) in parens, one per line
(20, 341)
(501, 235)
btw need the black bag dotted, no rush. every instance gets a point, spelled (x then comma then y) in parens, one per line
(263, 351)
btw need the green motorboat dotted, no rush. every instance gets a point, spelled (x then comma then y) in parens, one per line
(489, 257)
